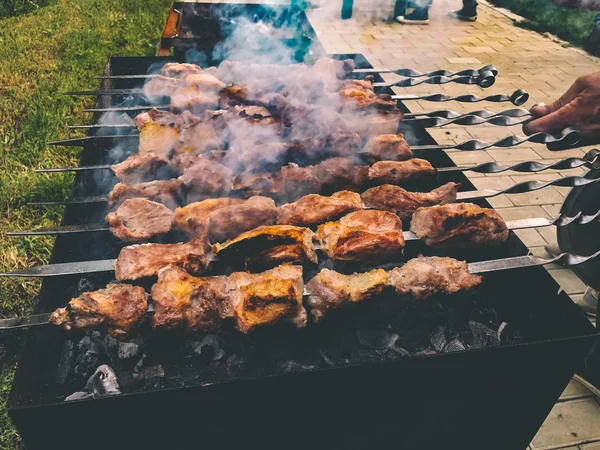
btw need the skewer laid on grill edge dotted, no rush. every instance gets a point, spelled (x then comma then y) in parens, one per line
(517, 98)
(518, 188)
(569, 137)
(494, 265)
(410, 73)
(484, 80)
(108, 265)
(590, 160)
(441, 117)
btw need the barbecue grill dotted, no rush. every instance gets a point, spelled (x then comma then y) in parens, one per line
(336, 385)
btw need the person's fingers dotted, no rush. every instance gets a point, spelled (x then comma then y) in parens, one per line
(590, 130)
(541, 109)
(556, 120)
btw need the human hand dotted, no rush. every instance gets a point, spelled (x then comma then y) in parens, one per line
(579, 107)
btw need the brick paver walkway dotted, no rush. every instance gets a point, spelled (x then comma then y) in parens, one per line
(526, 60)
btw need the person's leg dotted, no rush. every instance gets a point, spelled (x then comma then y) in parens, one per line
(468, 11)
(416, 13)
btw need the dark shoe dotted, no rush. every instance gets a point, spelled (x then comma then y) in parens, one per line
(592, 42)
(464, 15)
(415, 16)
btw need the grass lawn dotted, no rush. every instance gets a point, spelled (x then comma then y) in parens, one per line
(54, 48)
(571, 25)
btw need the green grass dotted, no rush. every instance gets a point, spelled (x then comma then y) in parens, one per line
(571, 25)
(52, 49)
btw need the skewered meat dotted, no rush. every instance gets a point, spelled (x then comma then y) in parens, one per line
(230, 221)
(396, 172)
(335, 174)
(179, 70)
(145, 260)
(139, 219)
(384, 122)
(330, 290)
(404, 203)
(161, 86)
(206, 178)
(346, 144)
(365, 235)
(251, 300)
(193, 98)
(167, 192)
(119, 307)
(193, 218)
(186, 303)
(157, 116)
(158, 139)
(141, 167)
(425, 276)
(359, 94)
(205, 81)
(258, 156)
(314, 209)
(340, 68)
(269, 244)
(257, 183)
(198, 137)
(459, 225)
(389, 147)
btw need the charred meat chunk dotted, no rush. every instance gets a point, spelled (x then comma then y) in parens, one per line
(459, 225)
(198, 137)
(159, 117)
(158, 139)
(397, 172)
(141, 167)
(145, 260)
(205, 81)
(365, 235)
(179, 70)
(118, 307)
(330, 290)
(194, 99)
(206, 178)
(425, 276)
(389, 147)
(400, 201)
(338, 174)
(161, 86)
(139, 219)
(193, 218)
(186, 303)
(269, 244)
(314, 209)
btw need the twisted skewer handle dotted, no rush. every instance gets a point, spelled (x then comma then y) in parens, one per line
(448, 114)
(531, 186)
(568, 138)
(410, 73)
(469, 120)
(517, 98)
(485, 80)
(568, 259)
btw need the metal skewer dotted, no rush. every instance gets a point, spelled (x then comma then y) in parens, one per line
(484, 80)
(448, 114)
(127, 108)
(410, 73)
(517, 98)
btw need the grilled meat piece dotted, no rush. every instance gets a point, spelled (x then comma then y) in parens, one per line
(157, 116)
(269, 244)
(198, 137)
(459, 225)
(194, 218)
(266, 298)
(389, 147)
(337, 174)
(258, 156)
(119, 307)
(315, 209)
(141, 167)
(206, 178)
(425, 276)
(186, 303)
(397, 172)
(166, 192)
(179, 70)
(250, 300)
(161, 86)
(139, 219)
(365, 235)
(145, 260)
(205, 81)
(158, 139)
(330, 290)
(257, 183)
(384, 122)
(404, 203)
(194, 99)
(346, 144)
(230, 221)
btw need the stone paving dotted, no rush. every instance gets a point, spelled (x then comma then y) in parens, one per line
(526, 60)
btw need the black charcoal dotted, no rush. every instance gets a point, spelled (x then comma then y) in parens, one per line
(149, 373)
(103, 382)
(88, 357)
(128, 350)
(483, 336)
(78, 396)
(65, 363)
(211, 346)
(378, 340)
(437, 338)
(454, 345)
